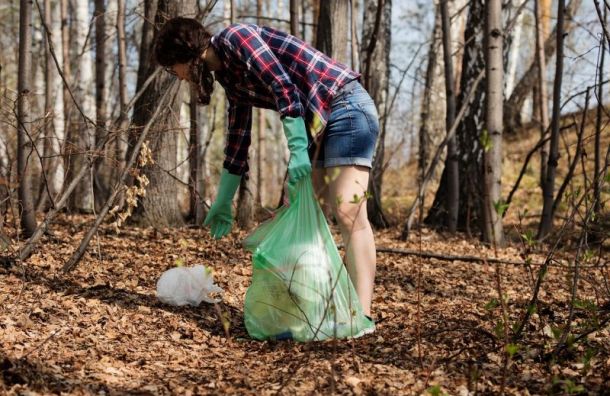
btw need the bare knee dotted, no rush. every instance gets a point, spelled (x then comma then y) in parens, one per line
(351, 216)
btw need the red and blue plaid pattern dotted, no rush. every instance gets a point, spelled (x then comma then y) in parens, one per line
(267, 68)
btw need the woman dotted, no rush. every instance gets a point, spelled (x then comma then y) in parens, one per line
(325, 113)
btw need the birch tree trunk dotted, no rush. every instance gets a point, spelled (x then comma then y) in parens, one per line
(54, 107)
(24, 144)
(514, 104)
(548, 188)
(376, 36)
(451, 162)
(83, 136)
(494, 98)
(515, 49)
(65, 57)
(55, 166)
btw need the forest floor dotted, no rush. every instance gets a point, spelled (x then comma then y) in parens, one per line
(101, 330)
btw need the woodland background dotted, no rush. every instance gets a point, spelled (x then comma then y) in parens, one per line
(488, 195)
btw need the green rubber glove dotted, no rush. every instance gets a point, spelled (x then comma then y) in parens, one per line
(220, 218)
(299, 165)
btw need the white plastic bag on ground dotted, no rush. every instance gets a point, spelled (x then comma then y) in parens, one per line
(186, 286)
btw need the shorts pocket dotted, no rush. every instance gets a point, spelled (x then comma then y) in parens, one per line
(370, 112)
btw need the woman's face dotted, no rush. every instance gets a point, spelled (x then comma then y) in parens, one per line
(180, 70)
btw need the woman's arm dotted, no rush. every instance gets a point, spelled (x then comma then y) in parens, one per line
(238, 138)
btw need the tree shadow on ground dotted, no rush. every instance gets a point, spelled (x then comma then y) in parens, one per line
(131, 300)
(36, 376)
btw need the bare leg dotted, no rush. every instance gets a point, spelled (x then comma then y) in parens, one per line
(320, 187)
(347, 189)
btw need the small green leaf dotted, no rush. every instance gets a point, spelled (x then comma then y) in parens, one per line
(179, 262)
(435, 390)
(492, 304)
(499, 330)
(500, 207)
(511, 349)
(485, 140)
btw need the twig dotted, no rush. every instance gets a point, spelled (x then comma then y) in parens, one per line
(601, 20)
(437, 155)
(577, 155)
(41, 344)
(449, 257)
(78, 254)
(544, 268)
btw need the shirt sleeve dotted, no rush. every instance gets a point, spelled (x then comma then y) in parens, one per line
(245, 44)
(238, 138)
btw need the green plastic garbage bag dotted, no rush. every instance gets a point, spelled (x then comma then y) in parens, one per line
(300, 288)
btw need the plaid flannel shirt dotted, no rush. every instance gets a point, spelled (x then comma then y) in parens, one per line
(267, 68)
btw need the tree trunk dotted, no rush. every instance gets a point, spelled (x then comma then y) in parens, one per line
(82, 135)
(451, 162)
(24, 143)
(546, 222)
(494, 98)
(426, 103)
(467, 133)
(160, 206)
(355, 47)
(66, 68)
(597, 203)
(514, 104)
(4, 182)
(245, 199)
(101, 182)
(193, 154)
(515, 50)
(120, 142)
(541, 10)
(331, 37)
(294, 17)
(260, 182)
(54, 106)
(376, 37)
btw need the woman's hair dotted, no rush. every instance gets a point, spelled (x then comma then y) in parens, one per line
(183, 40)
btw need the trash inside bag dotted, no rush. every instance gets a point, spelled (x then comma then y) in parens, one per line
(187, 286)
(300, 288)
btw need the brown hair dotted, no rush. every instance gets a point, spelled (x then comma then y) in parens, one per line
(183, 40)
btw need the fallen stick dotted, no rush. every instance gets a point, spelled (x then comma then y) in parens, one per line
(453, 257)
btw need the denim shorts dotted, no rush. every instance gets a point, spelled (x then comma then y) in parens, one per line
(351, 131)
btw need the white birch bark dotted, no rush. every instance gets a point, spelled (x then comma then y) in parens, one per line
(515, 49)
(84, 86)
(55, 163)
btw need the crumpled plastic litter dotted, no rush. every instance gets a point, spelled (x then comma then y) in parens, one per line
(187, 286)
